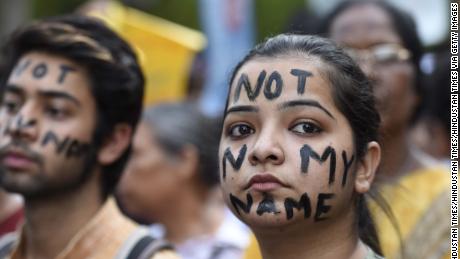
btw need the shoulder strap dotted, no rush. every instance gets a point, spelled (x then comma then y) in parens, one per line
(141, 245)
(7, 243)
(147, 247)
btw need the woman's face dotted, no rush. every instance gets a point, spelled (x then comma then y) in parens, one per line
(148, 185)
(367, 29)
(286, 151)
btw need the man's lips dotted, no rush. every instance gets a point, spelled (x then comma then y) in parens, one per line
(17, 160)
(264, 182)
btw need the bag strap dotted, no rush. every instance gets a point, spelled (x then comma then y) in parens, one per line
(141, 245)
(147, 247)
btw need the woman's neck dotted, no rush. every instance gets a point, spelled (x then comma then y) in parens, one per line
(321, 240)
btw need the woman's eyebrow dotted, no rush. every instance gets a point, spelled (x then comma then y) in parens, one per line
(241, 108)
(304, 102)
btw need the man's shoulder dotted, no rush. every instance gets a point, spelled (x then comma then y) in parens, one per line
(141, 244)
(126, 238)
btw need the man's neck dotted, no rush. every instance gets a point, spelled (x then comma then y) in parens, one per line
(52, 222)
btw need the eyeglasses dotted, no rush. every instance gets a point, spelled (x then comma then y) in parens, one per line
(380, 54)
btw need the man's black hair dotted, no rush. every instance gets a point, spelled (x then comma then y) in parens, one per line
(117, 82)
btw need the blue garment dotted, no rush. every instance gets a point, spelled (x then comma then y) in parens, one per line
(228, 25)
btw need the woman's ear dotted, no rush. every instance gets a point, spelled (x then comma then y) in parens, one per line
(367, 168)
(115, 144)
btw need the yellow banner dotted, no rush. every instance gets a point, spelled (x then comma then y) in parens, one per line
(165, 49)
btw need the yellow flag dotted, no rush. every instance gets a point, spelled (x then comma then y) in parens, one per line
(165, 49)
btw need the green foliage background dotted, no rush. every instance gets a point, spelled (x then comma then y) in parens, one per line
(271, 16)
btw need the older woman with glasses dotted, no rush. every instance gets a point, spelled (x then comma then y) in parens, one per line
(384, 42)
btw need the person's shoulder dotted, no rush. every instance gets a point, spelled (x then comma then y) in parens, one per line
(166, 254)
(433, 177)
(142, 245)
(7, 244)
(119, 236)
(372, 255)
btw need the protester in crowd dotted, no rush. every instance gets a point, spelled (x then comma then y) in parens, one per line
(432, 132)
(384, 41)
(298, 149)
(72, 98)
(172, 181)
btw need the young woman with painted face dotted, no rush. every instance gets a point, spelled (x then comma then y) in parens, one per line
(384, 41)
(171, 181)
(298, 149)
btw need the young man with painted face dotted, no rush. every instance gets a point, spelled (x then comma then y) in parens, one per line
(72, 96)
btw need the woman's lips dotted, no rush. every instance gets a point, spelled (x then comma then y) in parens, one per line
(264, 182)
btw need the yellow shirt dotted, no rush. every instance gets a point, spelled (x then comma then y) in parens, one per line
(101, 238)
(420, 204)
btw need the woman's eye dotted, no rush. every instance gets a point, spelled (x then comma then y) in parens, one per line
(240, 130)
(306, 128)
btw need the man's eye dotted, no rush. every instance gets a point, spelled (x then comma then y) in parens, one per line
(306, 128)
(11, 107)
(240, 130)
(55, 113)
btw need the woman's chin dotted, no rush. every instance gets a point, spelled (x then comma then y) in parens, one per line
(267, 220)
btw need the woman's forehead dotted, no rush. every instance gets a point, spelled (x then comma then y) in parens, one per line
(279, 78)
(363, 25)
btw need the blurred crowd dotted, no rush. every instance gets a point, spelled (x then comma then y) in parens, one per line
(168, 189)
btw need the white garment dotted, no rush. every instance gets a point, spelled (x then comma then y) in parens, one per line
(229, 242)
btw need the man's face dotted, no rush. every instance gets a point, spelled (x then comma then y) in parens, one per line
(48, 114)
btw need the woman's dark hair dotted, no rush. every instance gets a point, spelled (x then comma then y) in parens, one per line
(117, 82)
(351, 92)
(404, 26)
(437, 105)
(176, 125)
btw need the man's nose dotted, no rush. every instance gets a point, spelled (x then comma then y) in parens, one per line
(23, 124)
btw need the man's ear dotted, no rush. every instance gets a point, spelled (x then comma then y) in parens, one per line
(367, 168)
(115, 144)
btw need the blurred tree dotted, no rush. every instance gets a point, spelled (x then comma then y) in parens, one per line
(40, 8)
(272, 16)
(184, 12)
(12, 14)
